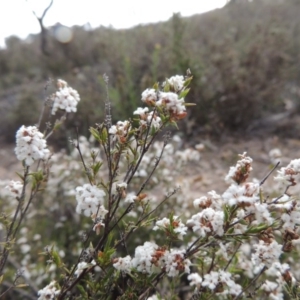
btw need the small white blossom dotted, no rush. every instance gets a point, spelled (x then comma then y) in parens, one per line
(154, 297)
(123, 264)
(290, 220)
(65, 98)
(288, 175)
(31, 145)
(207, 221)
(89, 199)
(149, 96)
(172, 104)
(177, 226)
(266, 254)
(131, 197)
(176, 82)
(240, 172)
(122, 185)
(174, 263)
(82, 266)
(15, 188)
(244, 195)
(49, 292)
(275, 155)
(195, 279)
(211, 280)
(142, 260)
(273, 290)
(120, 131)
(141, 111)
(155, 120)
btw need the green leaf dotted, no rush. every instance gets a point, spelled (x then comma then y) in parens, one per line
(257, 229)
(189, 104)
(96, 167)
(21, 285)
(103, 135)
(20, 175)
(82, 291)
(188, 81)
(56, 258)
(95, 133)
(156, 86)
(184, 93)
(174, 124)
(167, 87)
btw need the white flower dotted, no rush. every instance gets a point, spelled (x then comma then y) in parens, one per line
(240, 172)
(213, 200)
(122, 185)
(174, 262)
(83, 265)
(173, 104)
(275, 155)
(287, 175)
(65, 98)
(149, 96)
(195, 279)
(273, 290)
(123, 264)
(290, 220)
(211, 280)
(245, 194)
(120, 131)
(155, 120)
(262, 213)
(153, 297)
(131, 197)
(89, 199)
(177, 226)
(266, 254)
(142, 260)
(49, 292)
(176, 82)
(31, 145)
(15, 188)
(141, 111)
(207, 221)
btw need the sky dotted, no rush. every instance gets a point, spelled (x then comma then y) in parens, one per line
(16, 17)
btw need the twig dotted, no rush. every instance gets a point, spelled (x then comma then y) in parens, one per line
(251, 283)
(267, 176)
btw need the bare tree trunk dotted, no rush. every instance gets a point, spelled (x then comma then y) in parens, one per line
(43, 29)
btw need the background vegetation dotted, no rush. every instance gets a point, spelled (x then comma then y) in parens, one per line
(244, 58)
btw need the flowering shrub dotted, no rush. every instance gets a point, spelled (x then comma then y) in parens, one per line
(118, 236)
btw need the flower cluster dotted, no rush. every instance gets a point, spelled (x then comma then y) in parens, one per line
(30, 145)
(239, 173)
(176, 83)
(15, 188)
(65, 98)
(171, 99)
(120, 131)
(289, 174)
(148, 118)
(207, 221)
(49, 292)
(170, 225)
(217, 281)
(90, 201)
(151, 258)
